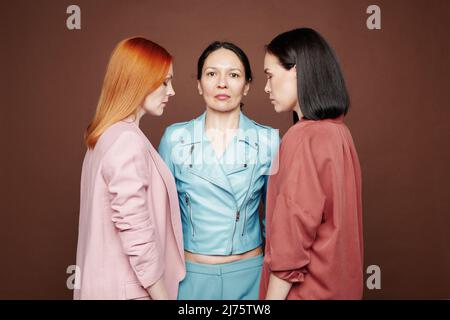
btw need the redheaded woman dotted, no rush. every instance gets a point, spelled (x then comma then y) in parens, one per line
(130, 240)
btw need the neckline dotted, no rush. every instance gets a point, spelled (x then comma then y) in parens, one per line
(339, 119)
(232, 141)
(129, 121)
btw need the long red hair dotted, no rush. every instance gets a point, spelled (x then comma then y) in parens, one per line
(136, 67)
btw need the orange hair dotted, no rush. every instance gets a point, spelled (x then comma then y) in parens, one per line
(136, 67)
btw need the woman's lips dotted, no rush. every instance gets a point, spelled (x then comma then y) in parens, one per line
(222, 97)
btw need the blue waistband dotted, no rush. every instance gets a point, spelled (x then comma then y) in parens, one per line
(222, 268)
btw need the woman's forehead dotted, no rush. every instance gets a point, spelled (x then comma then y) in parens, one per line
(223, 59)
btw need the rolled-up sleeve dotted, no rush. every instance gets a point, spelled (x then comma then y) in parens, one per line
(297, 214)
(126, 172)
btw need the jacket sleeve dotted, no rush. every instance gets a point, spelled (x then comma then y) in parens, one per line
(297, 213)
(165, 151)
(264, 195)
(273, 168)
(126, 172)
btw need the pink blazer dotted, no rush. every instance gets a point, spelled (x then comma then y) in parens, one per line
(129, 229)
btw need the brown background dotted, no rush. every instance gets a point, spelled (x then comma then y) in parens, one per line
(397, 78)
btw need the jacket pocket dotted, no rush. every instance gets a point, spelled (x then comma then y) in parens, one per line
(187, 199)
(240, 168)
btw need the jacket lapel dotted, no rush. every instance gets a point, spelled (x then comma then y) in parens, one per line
(202, 160)
(199, 158)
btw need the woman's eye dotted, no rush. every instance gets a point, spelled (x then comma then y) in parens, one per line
(235, 75)
(210, 74)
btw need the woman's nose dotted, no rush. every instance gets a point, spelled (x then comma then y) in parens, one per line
(267, 87)
(222, 82)
(171, 91)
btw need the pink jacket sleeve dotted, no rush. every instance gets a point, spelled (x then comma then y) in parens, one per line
(298, 211)
(126, 172)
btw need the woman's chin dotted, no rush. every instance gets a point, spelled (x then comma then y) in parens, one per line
(157, 113)
(160, 110)
(222, 108)
(278, 108)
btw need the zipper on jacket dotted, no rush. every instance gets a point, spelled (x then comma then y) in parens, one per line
(245, 220)
(238, 215)
(238, 209)
(246, 204)
(188, 203)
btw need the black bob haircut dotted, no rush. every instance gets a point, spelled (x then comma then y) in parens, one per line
(216, 45)
(321, 89)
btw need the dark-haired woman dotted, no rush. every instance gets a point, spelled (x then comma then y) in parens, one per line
(220, 162)
(314, 246)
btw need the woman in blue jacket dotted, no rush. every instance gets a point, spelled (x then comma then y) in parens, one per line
(220, 162)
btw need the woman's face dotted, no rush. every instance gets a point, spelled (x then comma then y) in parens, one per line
(156, 101)
(281, 84)
(222, 81)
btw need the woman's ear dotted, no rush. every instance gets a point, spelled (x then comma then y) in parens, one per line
(293, 71)
(199, 86)
(246, 88)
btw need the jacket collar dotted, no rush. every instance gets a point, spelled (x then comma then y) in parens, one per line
(247, 130)
(240, 155)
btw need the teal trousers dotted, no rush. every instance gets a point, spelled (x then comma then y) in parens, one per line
(237, 280)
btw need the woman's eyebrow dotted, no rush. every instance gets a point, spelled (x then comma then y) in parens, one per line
(232, 68)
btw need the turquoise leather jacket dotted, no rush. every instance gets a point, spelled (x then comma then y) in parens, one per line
(219, 197)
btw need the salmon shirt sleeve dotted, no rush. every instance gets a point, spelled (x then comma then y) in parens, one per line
(299, 207)
(314, 214)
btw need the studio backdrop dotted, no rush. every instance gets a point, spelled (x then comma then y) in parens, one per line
(395, 58)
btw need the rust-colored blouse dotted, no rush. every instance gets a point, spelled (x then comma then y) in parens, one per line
(314, 214)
